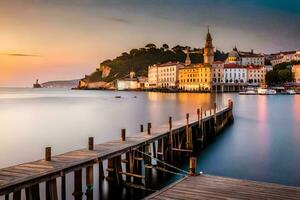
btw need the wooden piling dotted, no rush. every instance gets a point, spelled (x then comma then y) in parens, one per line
(17, 195)
(48, 153)
(89, 182)
(123, 134)
(63, 187)
(91, 143)
(170, 140)
(33, 192)
(142, 128)
(78, 184)
(51, 190)
(193, 166)
(149, 128)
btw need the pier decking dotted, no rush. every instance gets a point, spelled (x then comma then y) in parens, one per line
(165, 142)
(215, 187)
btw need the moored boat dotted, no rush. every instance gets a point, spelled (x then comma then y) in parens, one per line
(291, 92)
(265, 91)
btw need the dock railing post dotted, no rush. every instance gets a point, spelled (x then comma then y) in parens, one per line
(91, 143)
(171, 139)
(90, 174)
(48, 153)
(188, 133)
(149, 129)
(123, 134)
(193, 166)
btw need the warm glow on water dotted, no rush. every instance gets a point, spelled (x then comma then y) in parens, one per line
(263, 143)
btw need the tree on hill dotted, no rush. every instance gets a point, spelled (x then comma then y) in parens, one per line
(165, 47)
(281, 73)
(140, 59)
(150, 46)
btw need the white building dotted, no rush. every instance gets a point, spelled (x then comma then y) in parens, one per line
(245, 58)
(128, 83)
(286, 56)
(235, 73)
(164, 75)
(152, 76)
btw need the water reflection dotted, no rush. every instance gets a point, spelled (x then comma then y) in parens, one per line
(263, 144)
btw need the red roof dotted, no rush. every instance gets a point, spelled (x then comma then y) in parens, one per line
(218, 62)
(254, 67)
(233, 65)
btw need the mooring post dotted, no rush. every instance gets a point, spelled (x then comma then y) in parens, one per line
(91, 143)
(198, 117)
(78, 185)
(188, 133)
(154, 149)
(148, 167)
(230, 103)
(17, 195)
(63, 186)
(142, 128)
(170, 139)
(123, 134)
(33, 192)
(101, 177)
(48, 153)
(215, 119)
(149, 129)
(89, 182)
(51, 190)
(193, 166)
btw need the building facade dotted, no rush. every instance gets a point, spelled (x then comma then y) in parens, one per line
(286, 56)
(195, 77)
(152, 76)
(235, 74)
(296, 71)
(164, 75)
(218, 72)
(245, 58)
(256, 74)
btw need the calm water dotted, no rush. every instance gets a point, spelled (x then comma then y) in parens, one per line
(263, 144)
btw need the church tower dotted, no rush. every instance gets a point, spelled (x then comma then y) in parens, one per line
(208, 50)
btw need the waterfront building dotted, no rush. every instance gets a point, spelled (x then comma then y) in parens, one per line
(164, 75)
(245, 58)
(296, 71)
(235, 73)
(152, 76)
(195, 77)
(218, 72)
(128, 83)
(286, 56)
(256, 74)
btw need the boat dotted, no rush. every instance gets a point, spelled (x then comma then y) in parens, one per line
(249, 91)
(290, 92)
(265, 91)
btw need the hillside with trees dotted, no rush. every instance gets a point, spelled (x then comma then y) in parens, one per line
(281, 73)
(138, 60)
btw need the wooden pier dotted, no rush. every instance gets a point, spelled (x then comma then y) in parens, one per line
(215, 187)
(126, 158)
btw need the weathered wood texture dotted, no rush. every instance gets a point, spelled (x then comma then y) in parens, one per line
(15, 178)
(215, 187)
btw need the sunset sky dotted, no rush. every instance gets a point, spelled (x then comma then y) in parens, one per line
(66, 39)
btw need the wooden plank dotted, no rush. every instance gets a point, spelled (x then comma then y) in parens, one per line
(213, 187)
